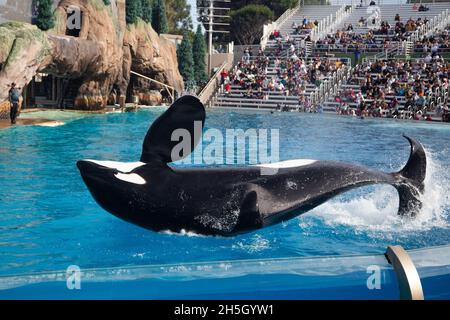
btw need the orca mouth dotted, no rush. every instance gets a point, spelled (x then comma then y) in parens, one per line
(93, 173)
(88, 167)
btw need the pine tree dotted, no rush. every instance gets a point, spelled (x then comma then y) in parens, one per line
(133, 10)
(186, 61)
(159, 18)
(138, 8)
(45, 19)
(146, 10)
(199, 53)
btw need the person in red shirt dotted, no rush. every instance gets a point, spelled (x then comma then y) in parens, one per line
(223, 76)
(227, 88)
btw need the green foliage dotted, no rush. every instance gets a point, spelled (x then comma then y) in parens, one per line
(178, 16)
(146, 10)
(106, 2)
(199, 55)
(247, 23)
(45, 19)
(133, 11)
(159, 17)
(278, 7)
(186, 61)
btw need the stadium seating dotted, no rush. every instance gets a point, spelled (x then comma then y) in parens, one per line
(289, 45)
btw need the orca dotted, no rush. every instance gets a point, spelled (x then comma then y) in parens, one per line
(230, 200)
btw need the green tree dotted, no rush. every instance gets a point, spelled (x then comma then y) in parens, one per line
(247, 23)
(146, 10)
(178, 16)
(45, 19)
(133, 10)
(186, 61)
(278, 7)
(199, 54)
(159, 18)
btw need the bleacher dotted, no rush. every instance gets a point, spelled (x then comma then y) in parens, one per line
(346, 101)
(238, 95)
(388, 12)
(270, 99)
(380, 42)
(311, 13)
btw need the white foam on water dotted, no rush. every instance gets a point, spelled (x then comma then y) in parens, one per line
(377, 211)
(183, 233)
(257, 243)
(51, 124)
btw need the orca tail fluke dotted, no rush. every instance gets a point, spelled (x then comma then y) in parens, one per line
(410, 180)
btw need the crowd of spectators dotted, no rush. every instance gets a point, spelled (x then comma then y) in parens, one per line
(379, 38)
(290, 76)
(382, 88)
(437, 43)
(394, 86)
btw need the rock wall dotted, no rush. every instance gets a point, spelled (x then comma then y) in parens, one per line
(151, 55)
(100, 58)
(24, 50)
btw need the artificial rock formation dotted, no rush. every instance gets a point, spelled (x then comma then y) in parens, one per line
(24, 50)
(100, 58)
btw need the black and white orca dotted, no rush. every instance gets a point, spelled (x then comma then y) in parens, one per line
(230, 200)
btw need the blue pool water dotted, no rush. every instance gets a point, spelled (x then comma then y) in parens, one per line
(48, 219)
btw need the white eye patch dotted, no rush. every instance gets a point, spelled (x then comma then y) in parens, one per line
(287, 164)
(131, 178)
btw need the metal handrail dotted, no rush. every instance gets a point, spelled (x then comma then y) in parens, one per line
(170, 89)
(407, 275)
(332, 85)
(210, 88)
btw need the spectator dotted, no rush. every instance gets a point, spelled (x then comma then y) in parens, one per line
(422, 8)
(362, 22)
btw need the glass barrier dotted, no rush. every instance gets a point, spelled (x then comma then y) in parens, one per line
(339, 277)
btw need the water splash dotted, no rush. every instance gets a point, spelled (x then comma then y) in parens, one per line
(255, 244)
(184, 233)
(377, 211)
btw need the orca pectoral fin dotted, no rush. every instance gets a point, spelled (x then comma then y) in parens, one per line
(187, 115)
(249, 216)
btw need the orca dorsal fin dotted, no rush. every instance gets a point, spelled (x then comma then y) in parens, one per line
(182, 114)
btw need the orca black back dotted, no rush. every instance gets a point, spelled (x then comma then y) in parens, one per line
(229, 200)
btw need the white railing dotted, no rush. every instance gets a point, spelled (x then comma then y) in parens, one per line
(437, 23)
(271, 27)
(331, 85)
(330, 23)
